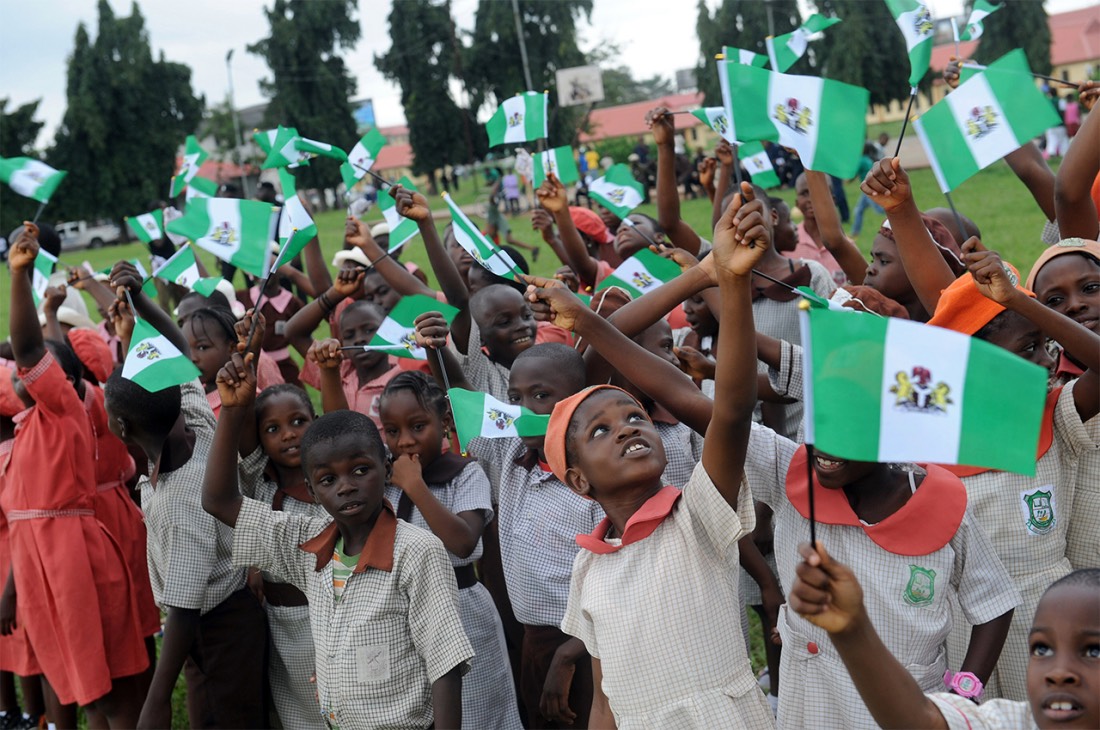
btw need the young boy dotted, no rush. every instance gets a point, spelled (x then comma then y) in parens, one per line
(390, 648)
(1063, 669)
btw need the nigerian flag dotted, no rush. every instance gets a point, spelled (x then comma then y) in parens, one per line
(265, 140)
(519, 119)
(715, 117)
(40, 274)
(148, 227)
(201, 187)
(153, 362)
(641, 273)
(559, 161)
(30, 178)
(888, 390)
(784, 50)
(739, 55)
(989, 115)
(401, 228)
(193, 157)
(484, 251)
(978, 13)
(617, 190)
(915, 21)
(824, 121)
(182, 269)
(362, 157)
(480, 414)
(397, 333)
(296, 226)
(237, 231)
(288, 148)
(755, 160)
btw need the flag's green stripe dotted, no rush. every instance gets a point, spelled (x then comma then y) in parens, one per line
(847, 378)
(842, 130)
(948, 144)
(531, 424)
(749, 89)
(171, 371)
(496, 127)
(534, 121)
(1027, 112)
(1002, 411)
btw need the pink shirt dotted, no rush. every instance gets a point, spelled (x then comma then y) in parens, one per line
(363, 399)
(807, 248)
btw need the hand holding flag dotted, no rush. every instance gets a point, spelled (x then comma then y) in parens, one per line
(552, 195)
(236, 381)
(662, 125)
(888, 184)
(402, 228)
(552, 301)
(740, 236)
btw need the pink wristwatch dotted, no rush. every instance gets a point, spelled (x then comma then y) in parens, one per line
(964, 684)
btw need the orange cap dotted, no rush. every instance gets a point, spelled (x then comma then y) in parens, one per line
(92, 352)
(556, 430)
(1063, 247)
(965, 309)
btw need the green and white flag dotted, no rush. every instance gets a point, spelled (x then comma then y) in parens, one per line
(397, 333)
(237, 231)
(321, 149)
(823, 120)
(193, 157)
(288, 148)
(482, 415)
(716, 118)
(44, 263)
(915, 21)
(559, 161)
(784, 50)
(890, 390)
(296, 226)
(182, 269)
(265, 140)
(148, 227)
(401, 229)
(153, 362)
(201, 187)
(484, 251)
(362, 157)
(617, 190)
(739, 55)
(30, 178)
(521, 118)
(974, 29)
(641, 273)
(993, 113)
(754, 158)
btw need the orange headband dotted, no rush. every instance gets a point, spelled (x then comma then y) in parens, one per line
(556, 430)
(965, 309)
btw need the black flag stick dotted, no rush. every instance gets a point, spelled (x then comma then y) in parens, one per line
(905, 121)
(958, 218)
(39, 211)
(810, 488)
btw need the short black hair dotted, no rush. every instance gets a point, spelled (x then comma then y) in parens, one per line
(153, 412)
(223, 320)
(67, 359)
(427, 392)
(341, 424)
(479, 301)
(274, 391)
(215, 299)
(563, 358)
(48, 240)
(999, 323)
(362, 304)
(1088, 577)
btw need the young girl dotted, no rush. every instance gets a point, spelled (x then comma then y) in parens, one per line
(450, 495)
(279, 305)
(212, 336)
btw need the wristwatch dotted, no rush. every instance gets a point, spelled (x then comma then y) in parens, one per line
(964, 684)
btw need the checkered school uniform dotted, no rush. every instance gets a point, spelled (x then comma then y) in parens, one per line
(1083, 537)
(962, 714)
(691, 671)
(392, 634)
(488, 692)
(683, 449)
(1027, 520)
(908, 597)
(483, 374)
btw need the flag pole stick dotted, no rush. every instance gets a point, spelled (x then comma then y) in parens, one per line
(810, 493)
(905, 121)
(377, 178)
(736, 167)
(955, 35)
(979, 67)
(631, 224)
(958, 219)
(39, 211)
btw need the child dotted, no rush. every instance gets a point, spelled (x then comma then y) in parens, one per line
(694, 671)
(389, 646)
(1063, 674)
(450, 495)
(215, 628)
(211, 335)
(279, 305)
(76, 599)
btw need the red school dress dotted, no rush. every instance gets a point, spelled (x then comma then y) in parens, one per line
(75, 596)
(15, 654)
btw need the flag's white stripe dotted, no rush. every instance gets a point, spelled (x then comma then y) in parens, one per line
(513, 106)
(903, 420)
(987, 132)
(631, 198)
(392, 331)
(806, 90)
(135, 365)
(634, 274)
(389, 212)
(31, 176)
(489, 428)
(799, 41)
(908, 23)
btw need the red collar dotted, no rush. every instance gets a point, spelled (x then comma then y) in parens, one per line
(641, 524)
(922, 526)
(1068, 367)
(1046, 438)
(377, 552)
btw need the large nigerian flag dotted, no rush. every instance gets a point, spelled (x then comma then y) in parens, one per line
(991, 114)
(824, 121)
(890, 390)
(641, 273)
(401, 228)
(755, 160)
(558, 161)
(784, 50)
(397, 333)
(519, 119)
(715, 117)
(915, 21)
(148, 227)
(484, 251)
(193, 157)
(30, 178)
(153, 362)
(362, 157)
(482, 415)
(40, 275)
(237, 231)
(978, 13)
(296, 226)
(182, 270)
(617, 190)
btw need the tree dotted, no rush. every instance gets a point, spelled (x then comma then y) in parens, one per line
(1018, 24)
(18, 133)
(126, 117)
(742, 24)
(218, 125)
(422, 61)
(311, 87)
(620, 87)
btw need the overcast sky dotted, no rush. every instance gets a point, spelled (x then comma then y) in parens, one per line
(39, 34)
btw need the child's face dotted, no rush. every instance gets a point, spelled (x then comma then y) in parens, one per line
(282, 422)
(609, 219)
(785, 236)
(615, 446)
(409, 428)
(802, 197)
(657, 338)
(699, 316)
(460, 256)
(1071, 285)
(834, 473)
(507, 325)
(347, 478)
(1063, 673)
(210, 349)
(536, 384)
(885, 274)
(358, 327)
(629, 241)
(376, 289)
(1021, 337)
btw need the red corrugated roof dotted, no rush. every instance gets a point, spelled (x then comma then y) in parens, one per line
(394, 156)
(629, 119)
(221, 172)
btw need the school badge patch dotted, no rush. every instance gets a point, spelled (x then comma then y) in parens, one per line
(921, 588)
(1039, 512)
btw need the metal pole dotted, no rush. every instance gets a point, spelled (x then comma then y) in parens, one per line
(237, 139)
(771, 21)
(522, 46)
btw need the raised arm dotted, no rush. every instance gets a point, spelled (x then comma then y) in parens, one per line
(727, 158)
(357, 234)
(832, 233)
(431, 334)
(414, 206)
(221, 495)
(55, 297)
(328, 356)
(81, 280)
(551, 195)
(300, 327)
(663, 126)
(25, 332)
(1077, 215)
(125, 278)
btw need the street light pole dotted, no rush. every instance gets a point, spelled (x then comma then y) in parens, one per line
(522, 46)
(237, 139)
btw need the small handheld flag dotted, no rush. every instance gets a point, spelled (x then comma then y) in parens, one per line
(193, 157)
(237, 231)
(522, 118)
(784, 50)
(153, 362)
(30, 178)
(200, 187)
(716, 118)
(617, 190)
(755, 160)
(148, 227)
(914, 19)
(362, 157)
(641, 273)
(558, 161)
(485, 252)
(974, 28)
(44, 263)
(401, 229)
(397, 333)
(183, 270)
(296, 226)
(482, 415)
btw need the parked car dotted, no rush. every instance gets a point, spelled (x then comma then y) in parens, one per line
(85, 234)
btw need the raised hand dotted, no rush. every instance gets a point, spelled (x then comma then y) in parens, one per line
(54, 297)
(356, 232)
(25, 249)
(349, 282)
(122, 319)
(952, 74)
(708, 168)
(567, 276)
(741, 235)
(551, 194)
(888, 184)
(326, 353)
(1088, 92)
(411, 204)
(697, 365)
(724, 153)
(407, 472)
(431, 331)
(825, 592)
(551, 301)
(237, 382)
(662, 124)
(992, 277)
(244, 327)
(125, 278)
(682, 258)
